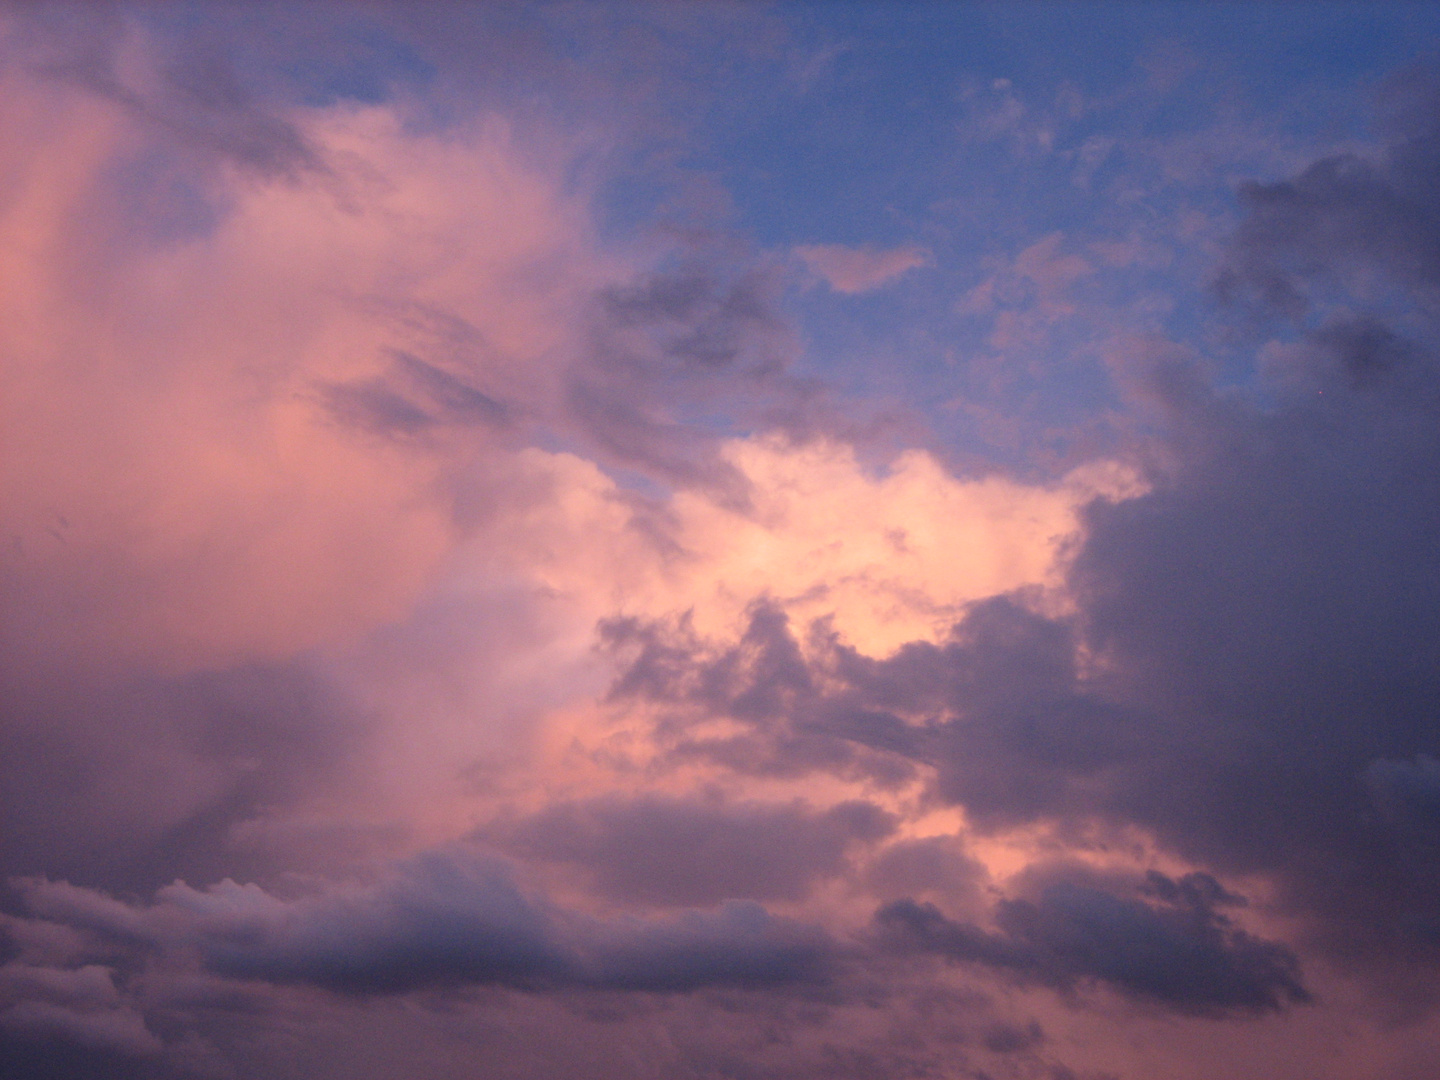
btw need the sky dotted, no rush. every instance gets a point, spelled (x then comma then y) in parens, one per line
(719, 541)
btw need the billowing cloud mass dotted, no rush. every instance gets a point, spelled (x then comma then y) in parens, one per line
(470, 601)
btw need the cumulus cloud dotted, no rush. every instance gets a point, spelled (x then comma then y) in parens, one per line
(244, 478)
(324, 352)
(266, 405)
(1249, 637)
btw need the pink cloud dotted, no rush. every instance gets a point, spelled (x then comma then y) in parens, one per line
(857, 270)
(184, 483)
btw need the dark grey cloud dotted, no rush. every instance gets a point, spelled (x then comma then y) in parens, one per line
(997, 709)
(791, 723)
(738, 944)
(1000, 713)
(696, 851)
(1273, 602)
(443, 919)
(704, 992)
(1347, 214)
(1174, 948)
(438, 922)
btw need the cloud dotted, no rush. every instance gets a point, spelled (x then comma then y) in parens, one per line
(932, 866)
(443, 919)
(277, 402)
(890, 554)
(271, 428)
(406, 950)
(1346, 213)
(1247, 637)
(764, 682)
(79, 1007)
(996, 708)
(277, 340)
(680, 357)
(1248, 670)
(349, 409)
(695, 851)
(1180, 952)
(859, 270)
(196, 98)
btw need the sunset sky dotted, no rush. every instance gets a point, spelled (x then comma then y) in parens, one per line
(695, 541)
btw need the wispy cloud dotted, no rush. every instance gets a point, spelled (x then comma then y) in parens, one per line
(859, 270)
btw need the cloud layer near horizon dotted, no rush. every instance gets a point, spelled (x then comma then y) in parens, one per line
(445, 620)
